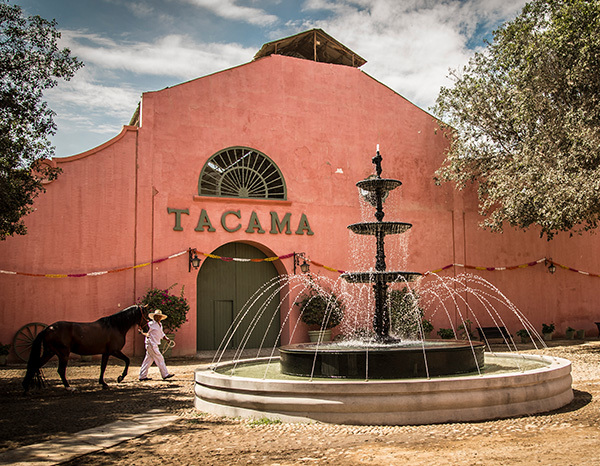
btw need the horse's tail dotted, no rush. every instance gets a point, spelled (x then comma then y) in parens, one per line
(34, 362)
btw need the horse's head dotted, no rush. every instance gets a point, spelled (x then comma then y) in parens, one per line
(142, 319)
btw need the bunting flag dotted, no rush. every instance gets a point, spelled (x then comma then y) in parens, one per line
(93, 274)
(493, 269)
(331, 269)
(514, 267)
(240, 259)
(286, 256)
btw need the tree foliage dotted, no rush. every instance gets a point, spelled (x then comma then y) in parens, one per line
(526, 120)
(30, 62)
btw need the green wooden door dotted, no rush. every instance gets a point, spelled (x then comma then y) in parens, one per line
(223, 289)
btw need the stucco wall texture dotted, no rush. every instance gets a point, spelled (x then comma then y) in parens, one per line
(319, 123)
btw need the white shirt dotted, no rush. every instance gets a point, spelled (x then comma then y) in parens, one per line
(155, 333)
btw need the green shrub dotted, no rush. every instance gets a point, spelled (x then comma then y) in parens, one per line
(446, 333)
(176, 307)
(320, 308)
(405, 313)
(548, 328)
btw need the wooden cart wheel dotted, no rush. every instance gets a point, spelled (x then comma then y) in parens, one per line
(24, 338)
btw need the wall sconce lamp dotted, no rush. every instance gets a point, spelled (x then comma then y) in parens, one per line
(193, 259)
(304, 267)
(551, 267)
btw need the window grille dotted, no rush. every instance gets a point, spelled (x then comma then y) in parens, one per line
(241, 172)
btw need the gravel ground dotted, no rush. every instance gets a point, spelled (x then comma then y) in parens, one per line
(569, 436)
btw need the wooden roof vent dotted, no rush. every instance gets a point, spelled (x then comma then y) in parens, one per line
(315, 45)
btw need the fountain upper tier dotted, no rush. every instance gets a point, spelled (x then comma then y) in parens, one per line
(383, 184)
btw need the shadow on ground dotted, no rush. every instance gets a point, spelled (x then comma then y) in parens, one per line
(53, 411)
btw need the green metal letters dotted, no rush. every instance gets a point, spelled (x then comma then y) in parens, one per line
(204, 221)
(254, 224)
(224, 224)
(278, 226)
(178, 213)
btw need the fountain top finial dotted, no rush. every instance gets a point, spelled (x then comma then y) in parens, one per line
(377, 161)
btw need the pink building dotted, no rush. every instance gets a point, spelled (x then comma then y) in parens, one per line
(257, 161)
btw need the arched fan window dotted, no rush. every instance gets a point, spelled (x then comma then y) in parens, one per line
(241, 172)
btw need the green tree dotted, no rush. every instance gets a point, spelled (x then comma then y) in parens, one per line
(525, 114)
(30, 62)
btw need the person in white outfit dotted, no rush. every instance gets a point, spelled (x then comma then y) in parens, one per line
(153, 336)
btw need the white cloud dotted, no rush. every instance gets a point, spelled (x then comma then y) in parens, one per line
(174, 55)
(89, 103)
(93, 98)
(229, 9)
(410, 45)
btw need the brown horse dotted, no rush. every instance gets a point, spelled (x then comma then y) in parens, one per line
(106, 336)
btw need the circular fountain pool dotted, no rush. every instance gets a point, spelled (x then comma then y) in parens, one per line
(510, 385)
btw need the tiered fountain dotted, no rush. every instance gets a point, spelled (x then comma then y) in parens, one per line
(384, 380)
(386, 357)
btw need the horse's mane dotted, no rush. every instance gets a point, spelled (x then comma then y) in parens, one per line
(123, 320)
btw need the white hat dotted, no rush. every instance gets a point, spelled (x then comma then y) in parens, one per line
(159, 313)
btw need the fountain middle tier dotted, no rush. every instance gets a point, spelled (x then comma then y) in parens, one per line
(374, 276)
(373, 228)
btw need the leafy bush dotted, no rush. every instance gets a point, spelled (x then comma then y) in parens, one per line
(446, 333)
(176, 307)
(427, 326)
(4, 349)
(322, 309)
(547, 328)
(464, 330)
(405, 313)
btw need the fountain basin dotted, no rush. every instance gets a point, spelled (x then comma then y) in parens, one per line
(389, 402)
(402, 360)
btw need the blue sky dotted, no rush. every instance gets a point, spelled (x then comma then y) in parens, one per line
(133, 46)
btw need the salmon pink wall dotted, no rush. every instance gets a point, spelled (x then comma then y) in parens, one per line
(319, 123)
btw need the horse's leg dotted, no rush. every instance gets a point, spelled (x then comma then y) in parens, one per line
(120, 355)
(63, 359)
(102, 369)
(34, 369)
(46, 356)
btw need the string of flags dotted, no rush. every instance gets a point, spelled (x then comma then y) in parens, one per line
(491, 269)
(93, 274)
(287, 256)
(545, 260)
(267, 259)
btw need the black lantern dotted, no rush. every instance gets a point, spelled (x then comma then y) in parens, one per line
(194, 260)
(551, 267)
(305, 266)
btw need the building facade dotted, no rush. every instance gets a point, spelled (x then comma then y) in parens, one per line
(260, 161)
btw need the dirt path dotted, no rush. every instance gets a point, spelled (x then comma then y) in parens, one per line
(570, 436)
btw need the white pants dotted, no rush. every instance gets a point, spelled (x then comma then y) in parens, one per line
(153, 355)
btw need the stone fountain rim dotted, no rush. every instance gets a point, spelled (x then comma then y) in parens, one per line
(555, 366)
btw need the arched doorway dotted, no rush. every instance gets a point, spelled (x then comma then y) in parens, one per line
(223, 289)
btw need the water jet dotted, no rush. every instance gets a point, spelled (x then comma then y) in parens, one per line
(384, 379)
